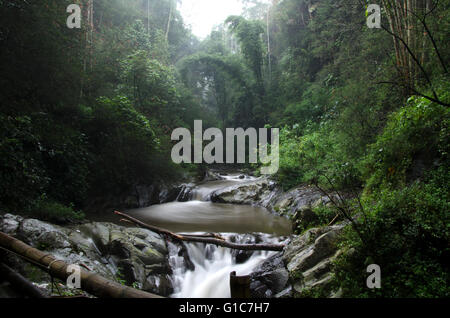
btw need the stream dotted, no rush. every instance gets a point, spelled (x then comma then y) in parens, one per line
(213, 265)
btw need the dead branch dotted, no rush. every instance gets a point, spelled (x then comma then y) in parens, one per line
(203, 239)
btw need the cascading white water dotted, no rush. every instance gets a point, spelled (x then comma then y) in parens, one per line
(213, 265)
(203, 191)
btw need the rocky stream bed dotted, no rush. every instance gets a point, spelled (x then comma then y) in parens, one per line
(143, 259)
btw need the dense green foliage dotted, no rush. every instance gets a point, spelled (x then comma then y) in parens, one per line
(85, 113)
(342, 129)
(409, 229)
(88, 113)
(407, 207)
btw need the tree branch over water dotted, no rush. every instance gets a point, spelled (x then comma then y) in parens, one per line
(202, 239)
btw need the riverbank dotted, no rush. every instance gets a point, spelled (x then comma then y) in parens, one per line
(143, 259)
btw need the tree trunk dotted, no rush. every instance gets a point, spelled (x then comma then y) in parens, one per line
(90, 282)
(269, 53)
(19, 283)
(169, 20)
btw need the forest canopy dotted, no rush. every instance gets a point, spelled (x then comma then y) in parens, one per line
(87, 113)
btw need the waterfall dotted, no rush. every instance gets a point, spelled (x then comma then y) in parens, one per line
(213, 265)
(203, 271)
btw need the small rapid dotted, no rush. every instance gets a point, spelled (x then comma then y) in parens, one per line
(213, 265)
(203, 271)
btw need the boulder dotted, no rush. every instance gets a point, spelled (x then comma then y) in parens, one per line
(9, 223)
(323, 247)
(249, 193)
(298, 243)
(132, 270)
(269, 278)
(309, 257)
(159, 285)
(265, 193)
(211, 175)
(146, 195)
(124, 244)
(169, 192)
(42, 235)
(305, 217)
(298, 200)
(185, 193)
(98, 233)
(103, 248)
(149, 237)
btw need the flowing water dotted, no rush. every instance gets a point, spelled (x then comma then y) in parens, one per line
(213, 265)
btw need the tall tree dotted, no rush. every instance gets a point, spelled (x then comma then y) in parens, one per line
(410, 33)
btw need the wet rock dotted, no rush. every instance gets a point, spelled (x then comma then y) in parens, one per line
(309, 257)
(188, 263)
(305, 217)
(249, 193)
(42, 235)
(132, 271)
(298, 243)
(157, 269)
(124, 244)
(211, 175)
(270, 278)
(10, 223)
(243, 256)
(149, 238)
(265, 193)
(169, 193)
(98, 232)
(317, 273)
(146, 195)
(324, 246)
(159, 285)
(103, 248)
(300, 199)
(185, 194)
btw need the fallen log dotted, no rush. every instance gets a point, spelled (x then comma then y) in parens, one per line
(20, 283)
(206, 240)
(92, 283)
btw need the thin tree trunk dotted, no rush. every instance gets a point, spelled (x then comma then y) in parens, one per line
(91, 31)
(269, 53)
(148, 17)
(19, 283)
(169, 20)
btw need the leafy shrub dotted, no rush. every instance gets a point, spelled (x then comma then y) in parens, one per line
(317, 153)
(321, 215)
(22, 177)
(415, 138)
(409, 235)
(124, 145)
(49, 210)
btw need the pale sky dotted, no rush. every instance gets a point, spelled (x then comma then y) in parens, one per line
(203, 15)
